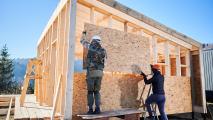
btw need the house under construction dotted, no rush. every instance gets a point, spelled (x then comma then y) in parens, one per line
(130, 38)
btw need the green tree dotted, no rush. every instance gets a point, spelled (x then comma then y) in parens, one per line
(7, 84)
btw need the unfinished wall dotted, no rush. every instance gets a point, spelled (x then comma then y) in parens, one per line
(123, 90)
(52, 50)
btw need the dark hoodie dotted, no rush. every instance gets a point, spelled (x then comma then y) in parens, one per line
(157, 82)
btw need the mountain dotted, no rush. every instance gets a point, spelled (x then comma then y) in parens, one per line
(20, 69)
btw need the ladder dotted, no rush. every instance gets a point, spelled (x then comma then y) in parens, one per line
(153, 106)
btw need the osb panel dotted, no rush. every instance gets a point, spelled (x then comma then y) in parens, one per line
(117, 91)
(123, 91)
(178, 94)
(124, 50)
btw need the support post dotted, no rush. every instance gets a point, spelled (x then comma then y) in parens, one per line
(167, 58)
(155, 49)
(178, 65)
(24, 90)
(188, 71)
(71, 56)
(92, 15)
(56, 97)
(126, 27)
(110, 21)
(202, 80)
(141, 32)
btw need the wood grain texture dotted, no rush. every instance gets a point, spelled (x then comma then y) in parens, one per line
(123, 91)
(124, 50)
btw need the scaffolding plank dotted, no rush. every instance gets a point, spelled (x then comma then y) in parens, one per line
(114, 113)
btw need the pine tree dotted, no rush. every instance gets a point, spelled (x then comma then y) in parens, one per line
(6, 72)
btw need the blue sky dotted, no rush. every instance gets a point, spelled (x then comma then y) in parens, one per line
(22, 21)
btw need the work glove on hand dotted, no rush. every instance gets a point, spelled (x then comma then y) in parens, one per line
(83, 37)
(143, 74)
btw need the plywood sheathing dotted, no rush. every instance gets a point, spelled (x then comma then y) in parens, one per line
(124, 50)
(123, 90)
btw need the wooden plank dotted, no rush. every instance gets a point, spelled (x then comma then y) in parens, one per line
(24, 112)
(3, 104)
(126, 27)
(56, 97)
(24, 91)
(40, 88)
(64, 56)
(71, 57)
(29, 105)
(110, 21)
(92, 15)
(155, 49)
(4, 111)
(31, 109)
(142, 33)
(114, 113)
(188, 71)
(9, 109)
(202, 81)
(18, 113)
(167, 58)
(6, 98)
(178, 64)
(37, 111)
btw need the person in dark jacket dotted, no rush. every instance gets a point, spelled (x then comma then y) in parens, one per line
(158, 95)
(95, 64)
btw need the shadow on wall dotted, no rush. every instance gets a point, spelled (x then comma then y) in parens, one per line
(129, 89)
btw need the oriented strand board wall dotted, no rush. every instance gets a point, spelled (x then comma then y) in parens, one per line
(124, 50)
(123, 90)
(117, 91)
(178, 94)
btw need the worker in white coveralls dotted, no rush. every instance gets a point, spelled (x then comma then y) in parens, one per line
(95, 65)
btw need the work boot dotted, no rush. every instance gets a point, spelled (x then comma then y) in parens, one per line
(97, 110)
(90, 111)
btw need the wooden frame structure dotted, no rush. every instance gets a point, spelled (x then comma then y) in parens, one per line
(59, 46)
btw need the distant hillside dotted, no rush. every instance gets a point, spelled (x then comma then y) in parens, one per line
(20, 69)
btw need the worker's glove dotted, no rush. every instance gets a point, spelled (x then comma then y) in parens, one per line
(84, 32)
(83, 37)
(143, 74)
